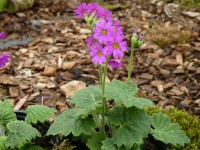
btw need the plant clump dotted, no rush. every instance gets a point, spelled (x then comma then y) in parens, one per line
(189, 123)
(165, 36)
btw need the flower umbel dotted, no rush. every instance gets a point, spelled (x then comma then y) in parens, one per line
(4, 59)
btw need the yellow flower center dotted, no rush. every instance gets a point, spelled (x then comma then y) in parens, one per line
(99, 54)
(115, 45)
(103, 32)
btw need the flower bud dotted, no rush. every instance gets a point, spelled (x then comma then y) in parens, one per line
(136, 40)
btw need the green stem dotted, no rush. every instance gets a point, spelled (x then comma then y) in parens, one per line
(130, 65)
(100, 76)
(104, 99)
(96, 118)
(101, 83)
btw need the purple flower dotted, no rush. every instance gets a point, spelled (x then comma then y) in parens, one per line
(115, 63)
(105, 14)
(81, 10)
(103, 31)
(4, 58)
(98, 54)
(116, 47)
(90, 41)
(2, 35)
(94, 8)
(117, 28)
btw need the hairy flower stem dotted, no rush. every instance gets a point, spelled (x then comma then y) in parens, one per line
(130, 65)
(97, 120)
(103, 103)
(104, 99)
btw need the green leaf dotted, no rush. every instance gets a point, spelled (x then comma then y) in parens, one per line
(29, 146)
(38, 113)
(20, 133)
(2, 142)
(109, 145)
(88, 98)
(6, 112)
(134, 125)
(72, 121)
(166, 131)
(123, 92)
(94, 142)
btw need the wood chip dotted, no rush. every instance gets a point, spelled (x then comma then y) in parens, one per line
(157, 82)
(71, 87)
(8, 79)
(13, 91)
(20, 103)
(146, 76)
(49, 70)
(179, 59)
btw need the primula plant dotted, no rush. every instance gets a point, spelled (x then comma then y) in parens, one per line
(17, 134)
(125, 125)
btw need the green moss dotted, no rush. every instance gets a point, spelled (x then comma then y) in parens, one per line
(189, 123)
(186, 4)
(165, 36)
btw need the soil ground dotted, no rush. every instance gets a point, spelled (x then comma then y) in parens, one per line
(55, 63)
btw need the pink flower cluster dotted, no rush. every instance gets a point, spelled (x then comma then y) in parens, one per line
(93, 8)
(107, 39)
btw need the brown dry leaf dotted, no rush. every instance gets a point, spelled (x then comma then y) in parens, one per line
(71, 87)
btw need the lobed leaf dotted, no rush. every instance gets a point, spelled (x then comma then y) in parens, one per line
(6, 112)
(2, 142)
(72, 121)
(123, 92)
(134, 125)
(94, 142)
(166, 131)
(19, 133)
(38, 113)
(109, 145)
(88, 98)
